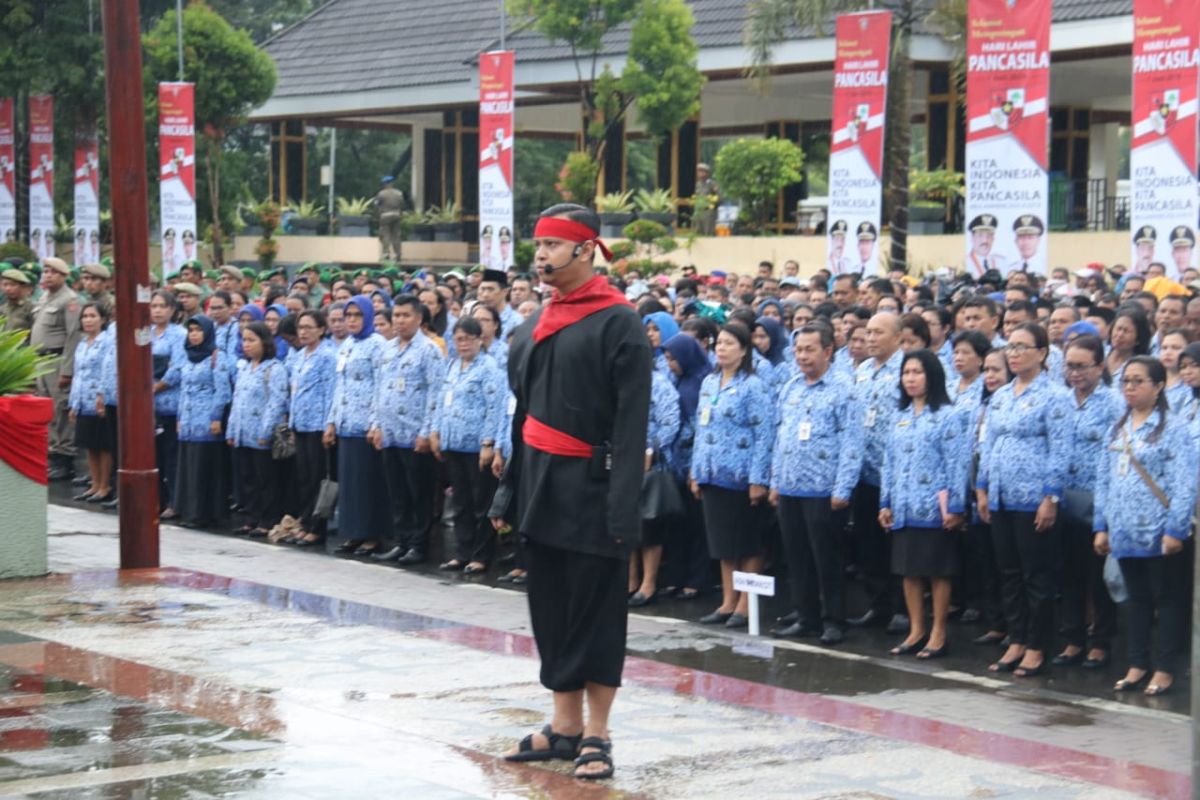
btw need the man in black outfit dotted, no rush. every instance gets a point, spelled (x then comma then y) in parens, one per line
(580, 370)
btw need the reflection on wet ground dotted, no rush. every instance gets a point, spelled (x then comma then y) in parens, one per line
(170, 683)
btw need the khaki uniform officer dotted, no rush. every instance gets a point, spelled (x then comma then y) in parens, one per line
(56, 332)
(95, 286)
(18, 308)
(389, 202)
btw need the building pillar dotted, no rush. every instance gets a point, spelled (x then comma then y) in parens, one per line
(1104, 158)
(416, 189)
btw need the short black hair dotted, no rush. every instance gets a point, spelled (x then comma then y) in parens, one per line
(936, 395)
(263, 333)
(575, 213)
(469, 326)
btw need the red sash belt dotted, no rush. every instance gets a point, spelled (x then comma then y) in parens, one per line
(541, 436)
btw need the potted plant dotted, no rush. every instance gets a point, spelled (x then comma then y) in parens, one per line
(755, 171)
(306, 218)
(658, 206)
(577, 179)
(415, 227)
(930, 193)
(447, 222)
(616, 211)
(648, 240)
(23, 461)
(354, 216)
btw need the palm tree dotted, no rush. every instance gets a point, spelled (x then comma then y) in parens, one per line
(768, 24)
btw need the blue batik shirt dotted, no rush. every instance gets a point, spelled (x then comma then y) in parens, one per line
(663, 427)
(470, 404)
(877, 390)
(312, 375)
(1178, 396)
(818, 439)
(204, 391)
(1023, 458)
(89, 380)
(734, 433)
(357, 369)
(406, 394)
(1088, 430)
(927, 454)
(1126, 507)
(260, 402)
(498, 352)
(169, 344)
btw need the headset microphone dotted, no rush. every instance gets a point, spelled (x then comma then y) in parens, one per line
(549, 268)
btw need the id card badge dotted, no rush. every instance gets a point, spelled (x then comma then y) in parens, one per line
(341, 363)
(982, 432)
(1123, 464)
(449, 397)
(869, 421)
(399, 384)
(512, 406)
(804, 431)
(705, 416)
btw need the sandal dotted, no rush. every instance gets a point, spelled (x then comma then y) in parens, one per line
(474, 569)
(562, 748)
(602, 752)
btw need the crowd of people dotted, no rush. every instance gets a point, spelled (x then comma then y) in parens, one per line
(1015, 449)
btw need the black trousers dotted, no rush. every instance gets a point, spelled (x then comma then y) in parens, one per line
(166, 456)
(686, 563)
(981, 579)
(1158, 600)
(579, 612)
(873, 549)
(261, 486)
(810, 543)
(1025, 559)
(473, 489)
(410, 477)
(313, 462)
(1083, 586)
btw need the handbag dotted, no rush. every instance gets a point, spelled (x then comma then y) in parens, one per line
(660, 497)
(327, 492)
(1114, 580)
(283, 442)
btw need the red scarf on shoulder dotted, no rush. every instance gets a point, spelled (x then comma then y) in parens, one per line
(564, 310)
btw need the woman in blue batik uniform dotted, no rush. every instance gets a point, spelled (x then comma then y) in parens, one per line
(923, 486)
(661, 431)
(661, 328)
(362, 493)
(260, 402)
(731, 465)
(771, 341)
(86, 402)
(1145, 494)
(202, 480)
(312, 369)
(166, 349)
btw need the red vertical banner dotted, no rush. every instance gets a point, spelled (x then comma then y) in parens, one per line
(177, 174)
(496, 159)
(87, 198)
(1008, 100)
(8, 172)
(41, 175)
(860, 75)
(1166, 73)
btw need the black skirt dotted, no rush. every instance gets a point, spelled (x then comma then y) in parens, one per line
(363, 508)
(202, 482)
(92, 433)
(925, 552)
(734, 527)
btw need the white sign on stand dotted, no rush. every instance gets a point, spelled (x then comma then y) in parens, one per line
(754, 585)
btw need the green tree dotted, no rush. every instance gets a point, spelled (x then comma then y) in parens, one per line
(232, 77)
(660, 77)
(756, 170)
(768, 24)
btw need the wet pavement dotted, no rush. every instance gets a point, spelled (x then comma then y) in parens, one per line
(246, 669)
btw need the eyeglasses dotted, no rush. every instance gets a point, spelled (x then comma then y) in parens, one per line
(309, 327)
(1134, 382)
(1019, 349)
(1080, 367)
(352, 313)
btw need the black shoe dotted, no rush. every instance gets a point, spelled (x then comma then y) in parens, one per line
(111, 505)
(789, 619)
(871, 619)
(347, 547)
(737, 621)
(909, 649)
(970, 615)
(715, 618)
(102, 498)
(60, 473)
(832, 635)
(364, 551)
(390, 555)
(412, 556)
(82, 480)
(898, 624)
(637, 600)
(1096, 663)
(520, 580)
(1062, 660)
(82, 496)
(989, 638)
(1032, 672)
(797, 630)
(933, 652)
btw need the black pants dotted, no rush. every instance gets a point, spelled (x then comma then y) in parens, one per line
(261, 486)
(1025, 559)
(410, 478)
(685, 552)
(166, 456)
(578, 610)
(473, 490)
(810, 542)
(313, 462)
(981, 580)
(1158, 598)
(1083, 584)
(873, 549)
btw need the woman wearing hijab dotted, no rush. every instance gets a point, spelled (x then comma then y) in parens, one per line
(204, 391)
(272, 317)
(363, 499)
(660, 327)
(771, 340)
(686, 564)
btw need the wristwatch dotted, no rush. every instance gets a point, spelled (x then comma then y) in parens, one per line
(1053, 498)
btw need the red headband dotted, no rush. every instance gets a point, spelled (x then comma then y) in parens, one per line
(570, 231)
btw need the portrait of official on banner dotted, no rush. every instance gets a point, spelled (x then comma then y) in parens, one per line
(177, 174)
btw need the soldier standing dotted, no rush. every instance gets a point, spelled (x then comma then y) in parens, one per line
(95, 287)
(706, 221)
(389, 202)
(18, 308)
(56, 332)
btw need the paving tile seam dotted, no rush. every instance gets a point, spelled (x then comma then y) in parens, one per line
(159, 769)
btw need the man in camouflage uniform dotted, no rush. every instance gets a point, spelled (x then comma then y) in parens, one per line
(17, 310)
(56, 332)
